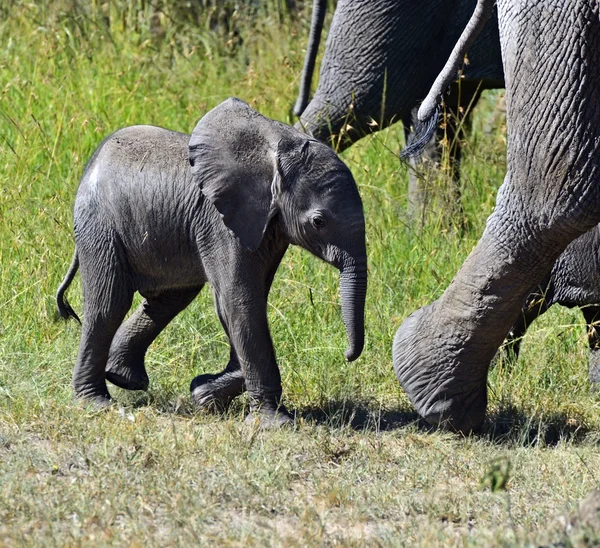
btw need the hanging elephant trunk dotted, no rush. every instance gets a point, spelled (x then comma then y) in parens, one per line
(353, 290)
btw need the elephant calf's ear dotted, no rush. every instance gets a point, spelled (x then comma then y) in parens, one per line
(235, 174)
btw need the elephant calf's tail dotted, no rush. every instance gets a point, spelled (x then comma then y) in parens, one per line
(64, 308)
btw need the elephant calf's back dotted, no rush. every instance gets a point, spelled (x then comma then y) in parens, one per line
(138, 186)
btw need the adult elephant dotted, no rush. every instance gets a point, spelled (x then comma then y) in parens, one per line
(380, 59)
(550, 196)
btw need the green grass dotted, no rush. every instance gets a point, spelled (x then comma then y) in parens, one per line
(359, 469)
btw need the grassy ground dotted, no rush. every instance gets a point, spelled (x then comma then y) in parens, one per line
(359, 468)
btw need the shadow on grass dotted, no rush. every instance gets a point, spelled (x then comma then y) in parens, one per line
(361, 416)
(507, 425)
(334, 414)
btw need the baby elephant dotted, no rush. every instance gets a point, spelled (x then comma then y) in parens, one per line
(163, 213)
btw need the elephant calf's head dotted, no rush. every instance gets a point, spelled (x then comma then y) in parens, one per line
(256, 171)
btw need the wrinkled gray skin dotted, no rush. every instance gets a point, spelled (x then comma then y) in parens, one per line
(162, 213)
(389, 50)
(549, 197)
(573, 281)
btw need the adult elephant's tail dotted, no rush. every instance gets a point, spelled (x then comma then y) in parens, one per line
(64, 308)
(428, 111)
(316, 28)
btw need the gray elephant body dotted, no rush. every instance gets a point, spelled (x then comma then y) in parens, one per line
(159, 248)
(550, 196)
(573, 282)
(382, 56)
(163, 214)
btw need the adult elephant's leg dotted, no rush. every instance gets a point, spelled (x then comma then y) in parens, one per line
(550, 196)
(125, 367)
(421, 173)
(592, 319)
(107, 295)
(459, 103)
(457, 122)
(442, 352)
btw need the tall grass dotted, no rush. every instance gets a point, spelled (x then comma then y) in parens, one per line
(153, 471)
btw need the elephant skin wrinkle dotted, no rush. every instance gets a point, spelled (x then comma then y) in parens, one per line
(550, 197)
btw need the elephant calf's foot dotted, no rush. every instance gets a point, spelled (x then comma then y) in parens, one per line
(127, 372)
(268, 417)
(214, 393)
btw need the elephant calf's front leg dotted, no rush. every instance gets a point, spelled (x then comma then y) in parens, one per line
(248, 330)
(215, 392)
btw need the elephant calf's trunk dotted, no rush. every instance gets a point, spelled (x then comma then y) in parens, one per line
(353, 290)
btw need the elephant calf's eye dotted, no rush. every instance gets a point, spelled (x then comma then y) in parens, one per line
(318, 222)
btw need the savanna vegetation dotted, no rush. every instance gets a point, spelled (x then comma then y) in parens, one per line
(359, 468)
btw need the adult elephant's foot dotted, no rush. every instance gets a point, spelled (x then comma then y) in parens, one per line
(127, 370)
(443, 375)
(594, 368)
(269, 417)
(215, 392)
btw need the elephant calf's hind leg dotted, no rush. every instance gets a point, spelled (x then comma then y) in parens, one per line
(125, 367)
(105, 306)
